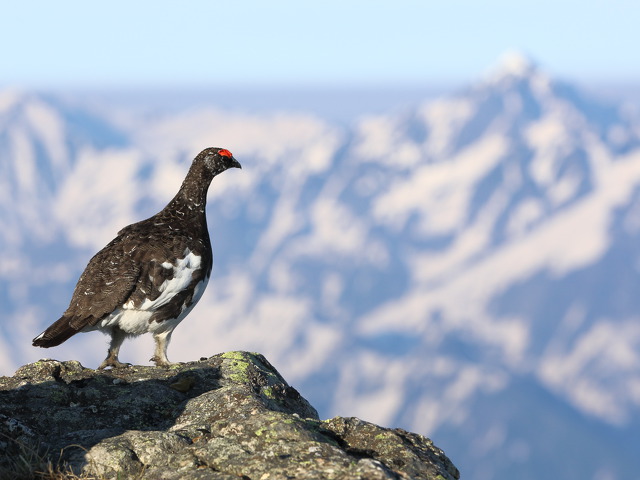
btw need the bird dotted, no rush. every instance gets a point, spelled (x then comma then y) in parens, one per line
(148, 278)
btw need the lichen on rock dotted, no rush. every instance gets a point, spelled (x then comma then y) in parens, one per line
(228, 416)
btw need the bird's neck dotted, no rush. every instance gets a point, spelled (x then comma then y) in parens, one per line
(191, 199)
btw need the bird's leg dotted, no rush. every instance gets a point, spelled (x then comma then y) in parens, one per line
(160, 355)
(117, 337)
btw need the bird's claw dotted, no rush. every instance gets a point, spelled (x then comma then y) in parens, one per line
(162, 362)
(113, 364)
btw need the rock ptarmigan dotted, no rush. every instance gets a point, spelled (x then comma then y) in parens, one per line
(151, 275)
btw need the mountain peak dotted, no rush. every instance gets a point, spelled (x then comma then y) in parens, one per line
(513, 64)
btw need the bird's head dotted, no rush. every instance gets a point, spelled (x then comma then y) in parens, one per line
(217, 160)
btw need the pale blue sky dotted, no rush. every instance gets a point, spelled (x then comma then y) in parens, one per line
(46, 44)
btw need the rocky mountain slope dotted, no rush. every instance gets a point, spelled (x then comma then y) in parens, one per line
(228, 416)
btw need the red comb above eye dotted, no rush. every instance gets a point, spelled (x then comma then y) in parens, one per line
(224, 152)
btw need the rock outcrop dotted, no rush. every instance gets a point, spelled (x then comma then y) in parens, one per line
(226, 417)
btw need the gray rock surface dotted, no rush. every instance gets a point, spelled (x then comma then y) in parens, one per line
(226, 417)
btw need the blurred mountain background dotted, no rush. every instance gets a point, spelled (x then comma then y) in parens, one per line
(420, 236)
(466, 268)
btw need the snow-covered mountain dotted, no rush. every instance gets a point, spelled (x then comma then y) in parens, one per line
(467, 269)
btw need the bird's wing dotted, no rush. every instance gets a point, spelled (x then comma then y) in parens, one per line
(124, 275)
(106, 283)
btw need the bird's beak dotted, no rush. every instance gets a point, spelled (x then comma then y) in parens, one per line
(236, 163)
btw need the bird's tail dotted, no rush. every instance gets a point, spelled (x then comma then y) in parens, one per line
(60, 331)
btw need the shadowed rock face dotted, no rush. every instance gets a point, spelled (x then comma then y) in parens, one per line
(229, 416)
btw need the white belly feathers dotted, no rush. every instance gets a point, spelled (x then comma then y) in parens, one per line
(182, 273)
(135, 320)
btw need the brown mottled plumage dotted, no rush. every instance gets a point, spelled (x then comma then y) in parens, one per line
(151, 275)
